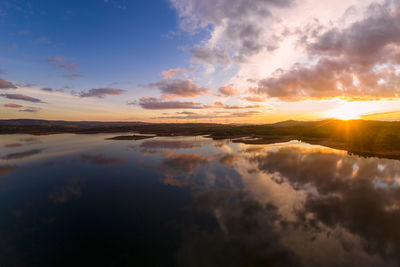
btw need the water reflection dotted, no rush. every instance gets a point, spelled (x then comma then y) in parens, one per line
(23, 154)
(100, 159)
(63, 194)
(191, 201)
(6, 170)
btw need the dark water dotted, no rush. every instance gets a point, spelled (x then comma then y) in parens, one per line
(80, 200)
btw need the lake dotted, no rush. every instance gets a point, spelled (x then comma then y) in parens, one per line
(71, 200)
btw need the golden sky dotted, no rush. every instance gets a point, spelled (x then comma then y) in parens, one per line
(227, 61)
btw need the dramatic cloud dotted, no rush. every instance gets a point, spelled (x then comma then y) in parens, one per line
(228, 90)
(177, 87)
(101, 92)
(357, 61)
(7, 85)
(214, 56)
(22, 98)
(236, 27)
(11, 105)
(30, 109)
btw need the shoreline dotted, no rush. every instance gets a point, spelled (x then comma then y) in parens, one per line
(359, 137)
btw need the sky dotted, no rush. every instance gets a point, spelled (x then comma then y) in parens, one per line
(225, 61)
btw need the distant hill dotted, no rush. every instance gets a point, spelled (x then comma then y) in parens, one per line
(63, 123)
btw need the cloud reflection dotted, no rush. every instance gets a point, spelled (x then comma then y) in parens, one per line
(182, 164)
(65, 193)
(100, 159)
(24, 154)
(157, 145)
(6, 170)
(295, 202)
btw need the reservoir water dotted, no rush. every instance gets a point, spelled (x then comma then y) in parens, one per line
(81, 200)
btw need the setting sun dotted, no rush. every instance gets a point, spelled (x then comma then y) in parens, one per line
(353, 110)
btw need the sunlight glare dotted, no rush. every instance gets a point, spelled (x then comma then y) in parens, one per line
(350, 110)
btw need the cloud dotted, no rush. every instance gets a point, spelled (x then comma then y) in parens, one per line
(100, 159)
(228, 90)
(219, 105)
(155, 103)
(186, 113)
(26, 85)
(101, 92)
(215, 115)
(172, 72)
(51, 90)
(239, 28)
(22, 98)
(356, 61)
(11, 105)
(60, 62)
(30, 109)
(177, 87)
(254, 98)
(7, 85)
(214, 56)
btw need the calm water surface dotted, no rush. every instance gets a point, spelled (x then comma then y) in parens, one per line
(80, 200)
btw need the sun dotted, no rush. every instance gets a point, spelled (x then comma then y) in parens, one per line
(343, 114)
(349, 110)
